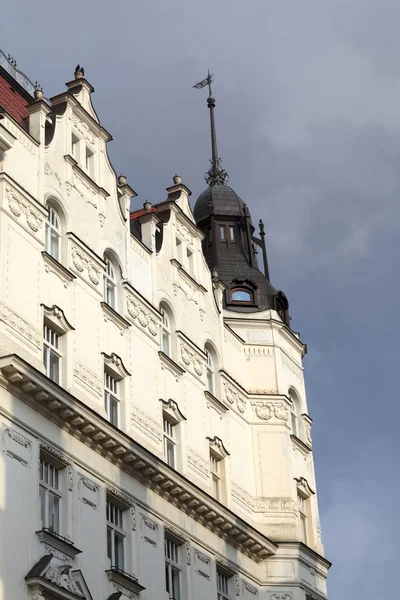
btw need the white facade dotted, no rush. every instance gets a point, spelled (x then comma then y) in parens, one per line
(147, 369)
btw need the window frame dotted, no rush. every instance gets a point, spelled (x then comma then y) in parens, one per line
(110, 282)
(51, 349)
(53, 231)
(210, 373)
(173, 568)
(112, 394)
(115, 531)
(169, 440)
(216, 475)
(241, 289)
(47, 491)
(303, 509)
(223, 581)
(165, 331)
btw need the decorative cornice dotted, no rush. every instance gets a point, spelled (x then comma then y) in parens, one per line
(110, 314)
(115, 364)
(55, 315)
(169, 364)
(143, 315)
(51, 265)
(217, 445)
(74, 416)
(303, 486)
(217, 405)
(171, 407)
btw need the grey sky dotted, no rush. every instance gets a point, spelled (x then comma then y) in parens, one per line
(308, 121)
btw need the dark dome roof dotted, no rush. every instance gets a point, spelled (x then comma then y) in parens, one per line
(218, 200)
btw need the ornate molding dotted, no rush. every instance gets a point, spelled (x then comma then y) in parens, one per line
(115, 364)
(280, 596)
(83, 129)
(191, 360)
(217, 446)
(250, 588)
(141, 316)
(255, 351)
(172, 409)
(184, 232)
(234, 398)
(146, 424)
(84, 266)
(17, 446)
(87, 379)
(291, 365)
(49, 171)
(51, 265)
(83, 187)
(55, 453)
(198, 463)
(21, 327)
(184, 283)
(271, 410)
(56, 316)
(20, 206)
(303, 486)
(40, 393)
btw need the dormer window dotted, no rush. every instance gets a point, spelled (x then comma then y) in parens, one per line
(222, 233)
(232, 233)
(241, 295)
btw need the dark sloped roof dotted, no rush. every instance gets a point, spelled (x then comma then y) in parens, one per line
(218, 200)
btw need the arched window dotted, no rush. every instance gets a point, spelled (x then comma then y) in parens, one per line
(165, 331)
(210, 372)
(241, 295)
(53, 233)
(110, 283)
(294, 412)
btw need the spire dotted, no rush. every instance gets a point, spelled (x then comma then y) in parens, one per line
(216, 175)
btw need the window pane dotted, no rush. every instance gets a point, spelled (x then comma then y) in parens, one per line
(231, 233)
(175, 584)
(165, 342)
(54, 244)
(54, 511)
(113, 411)
(119, 551)
(54, 367)
(42, 498)
(109, 544)
(241, 296)
(222, 232)
(170, 452)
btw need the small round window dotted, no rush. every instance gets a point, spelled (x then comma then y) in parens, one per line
(241, 295)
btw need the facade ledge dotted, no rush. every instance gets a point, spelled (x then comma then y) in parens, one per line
(7, 139)
(300, 445)
(52, 265)
(215, 403)
(187, 276)
(170, 365)
(72, 415)
(124, 580)
(111, 314)
(75, 167)
(57, 542)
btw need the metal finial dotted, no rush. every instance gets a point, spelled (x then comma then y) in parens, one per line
(216, 175)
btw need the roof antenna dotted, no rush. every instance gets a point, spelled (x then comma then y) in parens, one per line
(216, 175)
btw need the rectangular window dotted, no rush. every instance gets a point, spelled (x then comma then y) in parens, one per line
(111, 398)
(222, 233)
(169, 442)
(172, 570)
(50, 495)
(302, 507)
(115, 535)
(215, 476)
(52, 353)
(179, 250)
(89, 161)
(222, 585)
(190, 261)
(75, 147)
(232, 233)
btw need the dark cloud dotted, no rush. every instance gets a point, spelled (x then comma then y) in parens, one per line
(309, 129)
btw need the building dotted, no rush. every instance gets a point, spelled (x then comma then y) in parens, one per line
(155, 441)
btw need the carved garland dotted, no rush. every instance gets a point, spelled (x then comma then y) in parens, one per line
(190, 359)
(19, 206)
(82, 262)
(233, 397)
(141, 315)
(267, 410)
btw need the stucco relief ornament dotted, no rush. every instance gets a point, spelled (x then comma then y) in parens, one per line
(136, 311)
(94, 274)
(281, 412)
(14, 206)
(186, 357)
(280, 597)
(263, 411)
(308, 434)
(37, 595)
(61, 576)
(77, 259)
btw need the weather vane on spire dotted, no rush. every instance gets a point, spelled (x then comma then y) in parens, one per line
(216, 174)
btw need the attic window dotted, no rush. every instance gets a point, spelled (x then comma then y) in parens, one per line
(241, 295)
